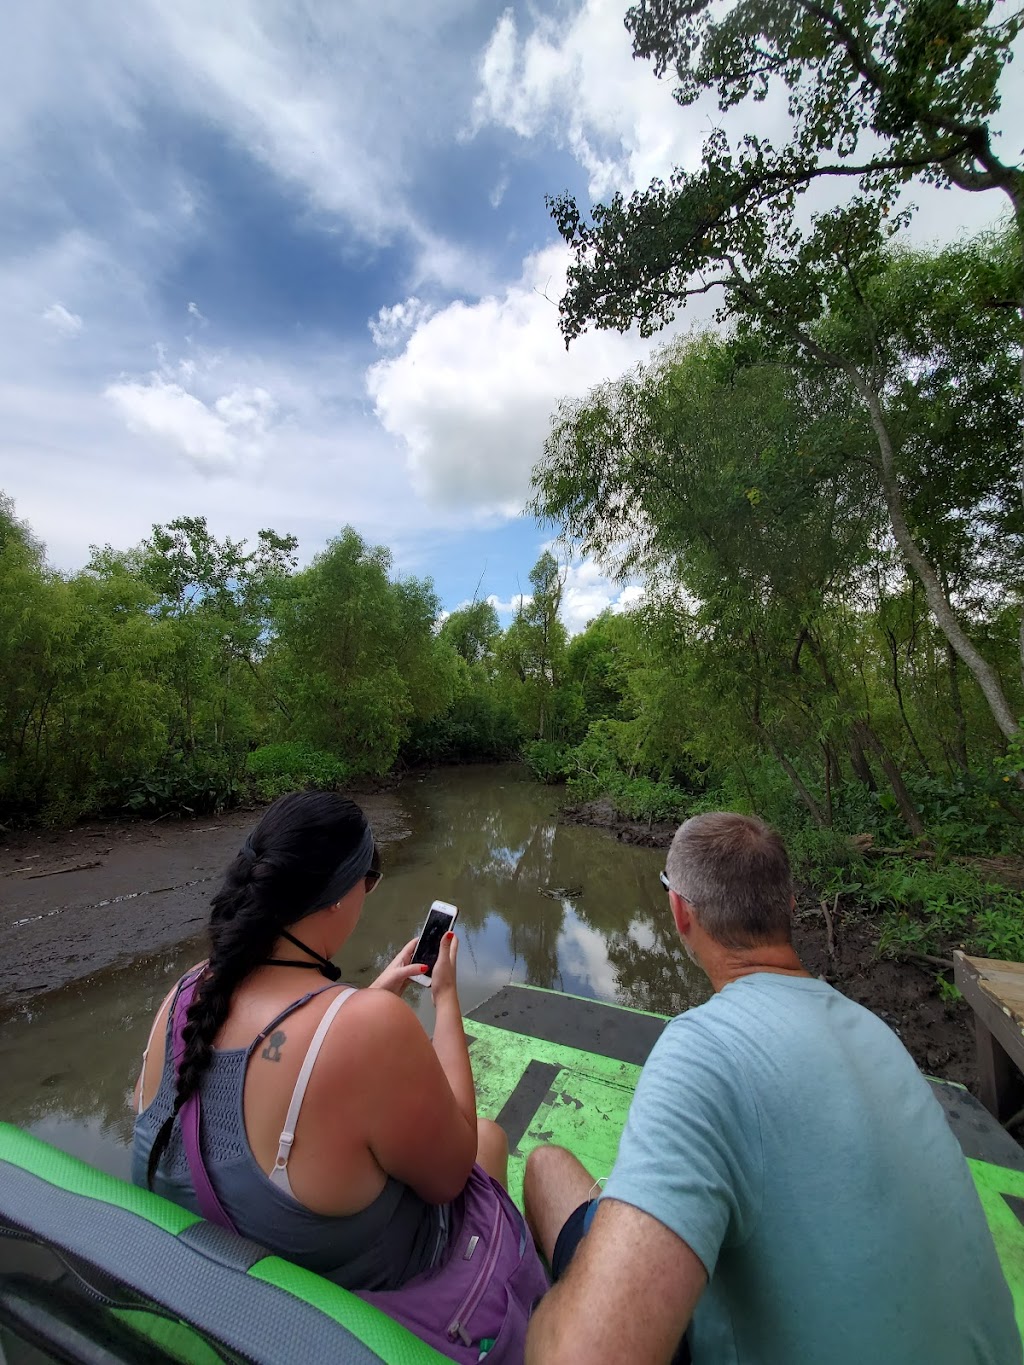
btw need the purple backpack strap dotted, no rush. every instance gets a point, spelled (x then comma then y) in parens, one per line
(206, 1196)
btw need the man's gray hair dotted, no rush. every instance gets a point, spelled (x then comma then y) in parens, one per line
(734, 871)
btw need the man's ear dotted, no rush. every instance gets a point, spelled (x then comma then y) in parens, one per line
(681, 913)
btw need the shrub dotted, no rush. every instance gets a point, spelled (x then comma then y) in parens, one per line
(275, 769)
(200, 783)
(546, 761)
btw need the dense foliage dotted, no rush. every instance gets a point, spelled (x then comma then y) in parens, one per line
(190, 672)
(826, 498)
(788, 661)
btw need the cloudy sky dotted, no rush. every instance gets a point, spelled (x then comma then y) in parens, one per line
(287, 263)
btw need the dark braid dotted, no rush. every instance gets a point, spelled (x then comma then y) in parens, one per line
(287, 860)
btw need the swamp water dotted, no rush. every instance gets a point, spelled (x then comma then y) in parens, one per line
(560, 906)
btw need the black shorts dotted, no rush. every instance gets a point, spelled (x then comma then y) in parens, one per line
(573, 1230)
(569, 1238)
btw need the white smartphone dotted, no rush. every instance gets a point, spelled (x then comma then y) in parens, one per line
(440, 919)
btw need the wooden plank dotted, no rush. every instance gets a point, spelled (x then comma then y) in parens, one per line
(998, 1025)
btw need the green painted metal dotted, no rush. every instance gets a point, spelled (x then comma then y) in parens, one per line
(993, 1183)
(586, 1106)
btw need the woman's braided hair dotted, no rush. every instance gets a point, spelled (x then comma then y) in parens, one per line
(284, 865)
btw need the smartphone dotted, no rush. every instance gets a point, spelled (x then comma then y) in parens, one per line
(440, 919)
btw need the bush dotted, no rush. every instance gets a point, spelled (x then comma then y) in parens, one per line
(476, 728)
(275, 769)
(201, 783)
(546, 761)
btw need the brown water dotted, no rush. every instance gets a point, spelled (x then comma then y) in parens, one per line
(487, 839)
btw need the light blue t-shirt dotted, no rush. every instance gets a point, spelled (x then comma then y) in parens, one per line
(785, 1134)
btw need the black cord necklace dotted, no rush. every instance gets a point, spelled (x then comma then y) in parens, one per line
(323, 965)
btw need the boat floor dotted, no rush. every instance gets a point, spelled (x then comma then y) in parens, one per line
(556, 1068)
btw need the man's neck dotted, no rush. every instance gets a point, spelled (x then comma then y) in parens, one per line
(732, 964)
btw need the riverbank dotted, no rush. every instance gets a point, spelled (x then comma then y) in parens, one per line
(75, 901)
(840, 943)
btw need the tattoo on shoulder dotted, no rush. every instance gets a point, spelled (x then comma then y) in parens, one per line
(276, 1041)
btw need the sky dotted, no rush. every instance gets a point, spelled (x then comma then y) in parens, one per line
(287, 263)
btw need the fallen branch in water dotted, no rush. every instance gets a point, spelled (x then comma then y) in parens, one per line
(59, 871)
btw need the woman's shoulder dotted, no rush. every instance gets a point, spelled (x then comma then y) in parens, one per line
(380, 1011)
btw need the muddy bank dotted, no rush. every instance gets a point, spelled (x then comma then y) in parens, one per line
(938, 1036)
(602, 814)
(73, 902)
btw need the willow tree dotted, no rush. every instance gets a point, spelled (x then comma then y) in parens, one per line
(879, 95)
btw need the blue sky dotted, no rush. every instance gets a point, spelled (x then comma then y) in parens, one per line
(284, 262)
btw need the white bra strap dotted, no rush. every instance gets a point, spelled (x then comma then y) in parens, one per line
(284, 1148)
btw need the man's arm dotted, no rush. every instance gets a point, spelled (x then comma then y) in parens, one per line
(628, 1295)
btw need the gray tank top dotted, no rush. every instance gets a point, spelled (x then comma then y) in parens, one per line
(381, 1247)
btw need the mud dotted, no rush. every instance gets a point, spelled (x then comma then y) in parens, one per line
(73, 902)
(939, 1036)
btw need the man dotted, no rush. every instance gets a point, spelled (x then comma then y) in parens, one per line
(787, 1190)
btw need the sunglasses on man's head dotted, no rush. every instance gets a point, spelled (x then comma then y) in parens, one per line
(664, 881)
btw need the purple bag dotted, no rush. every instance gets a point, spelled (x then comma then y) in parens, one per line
(483, 1291)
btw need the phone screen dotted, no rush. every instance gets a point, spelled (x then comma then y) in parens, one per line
(437, 925)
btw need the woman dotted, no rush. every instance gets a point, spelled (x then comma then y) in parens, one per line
(368, 1175)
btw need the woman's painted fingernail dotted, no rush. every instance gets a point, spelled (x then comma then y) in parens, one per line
(421, 970)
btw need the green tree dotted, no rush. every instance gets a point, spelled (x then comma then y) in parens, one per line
(532, 651)
(918, 84)
(472, 631)
(356, 656)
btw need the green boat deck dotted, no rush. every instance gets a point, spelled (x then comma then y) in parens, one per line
(95, 1271)
(555, 1068)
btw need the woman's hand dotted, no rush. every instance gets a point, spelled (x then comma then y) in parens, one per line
(442, 978)
(399, 971)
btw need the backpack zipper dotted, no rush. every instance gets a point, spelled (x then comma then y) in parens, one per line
(466, 1309)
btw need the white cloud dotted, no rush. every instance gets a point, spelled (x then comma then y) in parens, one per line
(193, 312)
(515, 603)
(472, 392)
(573, 79)
(66, 323)
(341, 103)
(631, 596)
(218, 437)
(393, 326)
(588, 592)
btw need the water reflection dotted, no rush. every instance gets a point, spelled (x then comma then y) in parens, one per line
(487, 839)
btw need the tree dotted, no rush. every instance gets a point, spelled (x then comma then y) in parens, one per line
(472, 631)
(878, 95)
(532, 650)
(355, 654)
(724, 473)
